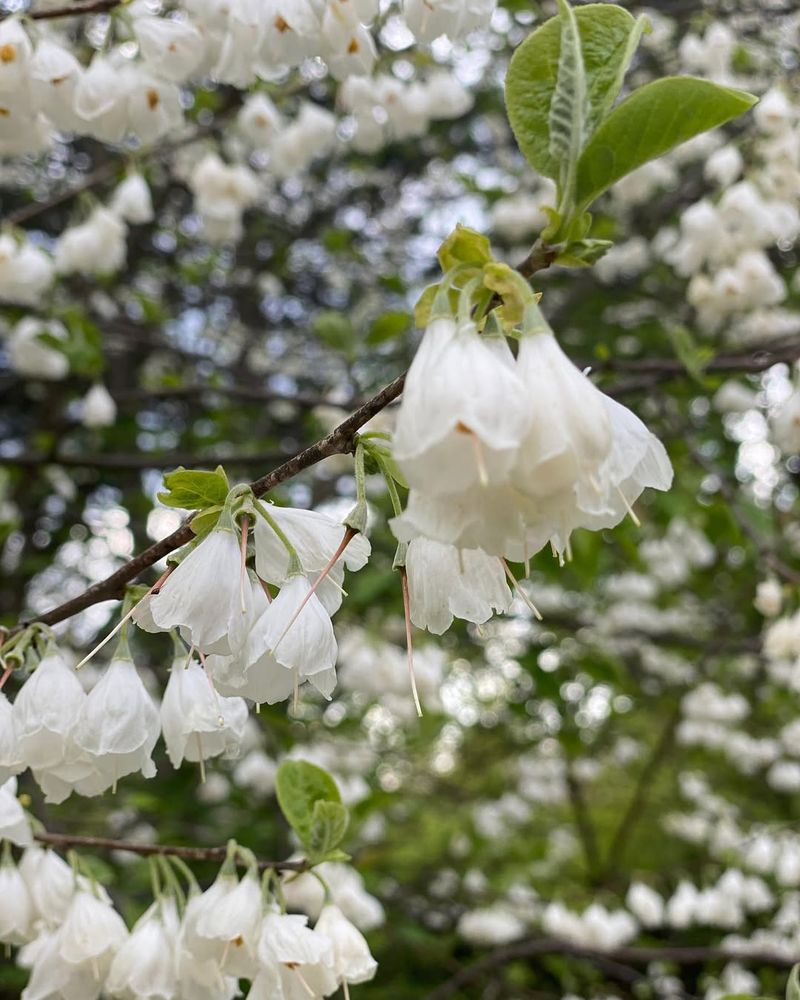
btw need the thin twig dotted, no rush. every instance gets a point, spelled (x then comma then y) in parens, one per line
(583, 822)
(526, 949)
(187, 853)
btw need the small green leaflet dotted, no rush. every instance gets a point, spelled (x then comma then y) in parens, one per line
(607, 39)
(569, 111)
(310, 801)
(651, 121)
(194, 489)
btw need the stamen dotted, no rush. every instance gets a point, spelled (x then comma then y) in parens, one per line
(409, 644)
(296, 694)
(243, 570)
(304, 984)
(201, 760)
(518, 589)
(153, 590)
(349, 534)
(595, 485)
(345, 990)
(628, 507)
(7, 671)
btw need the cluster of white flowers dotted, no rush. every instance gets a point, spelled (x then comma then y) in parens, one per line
(504, 455)
(76, 945)
(131, 89)
(386, 108)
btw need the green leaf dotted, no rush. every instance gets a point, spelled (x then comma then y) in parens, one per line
(693, 356)
(329, 821)
(793, 985)
(422, 310)
(335, 329)
(608, 36)
(464, 246)
(203, 522)
(651, 121)
(583, 253)
(194, 489)
(388, 326)
(299, 785)
(569, 107)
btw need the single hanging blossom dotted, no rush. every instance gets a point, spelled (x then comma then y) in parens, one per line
(101, 99)
(45, 714)
(11, 761)
(464, 411)
(200, 976)
(304, 646)
(302, 956)
(98, 408)
(204, 594)
(172, 49)
(198, 723)
(50, 882)
(51, 976)
(316, 537)
(352, 960)
(446, 583)
(17, 913)
(132, 200)
(55, 74)
(26, 274)
(118, 725)
(91, 935)
(145, 966)
(223, 926)
(14, 824)
(30, 356)
(233, 673)
(96, 246)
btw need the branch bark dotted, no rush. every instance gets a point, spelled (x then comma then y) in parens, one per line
(72, 10)
(67, 840)
(339, 442)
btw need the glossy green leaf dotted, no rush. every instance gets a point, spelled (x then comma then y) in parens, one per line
(464, 246)
(608, 35)
(651, 121)
(329, 821)
(299, 786)
(194, 489)
(388, 326)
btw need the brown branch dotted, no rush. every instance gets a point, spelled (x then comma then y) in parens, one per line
(67, 840)
(530, 948)
(339, 442)
(75, 10)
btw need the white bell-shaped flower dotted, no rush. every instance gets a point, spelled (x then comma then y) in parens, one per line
(570, 432)
(91, 935)
(30, 356)
(11, 761)
(259, 120)
(446, 583)
(352, 959)
(464, 411)
(154, 107)
(17, 912)
(302, 955)
(96, 246)
(200, 975)
(316, 537)
(54, 74)
(45, 714)
(15, 56)
(145, 966)
(98, 408)
(172, 49)
(118, 725)
(303, 644)
(132, 200)
(52, 976)
(197, 722)
(50, 882)
(291, 28)
(14, 824)
(26, 273)
(101, 100)
(205, 595)
(224, 925)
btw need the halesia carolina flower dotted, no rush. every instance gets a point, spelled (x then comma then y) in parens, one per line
(201, 976)
(16, 913)
(197, 722)
(172, 49)
(223, 925)
(30, 356)
(145, 967)
(316, 538)
(99, 408)
(352, 959)
(91, 935)
(45, 713)
(96, 246)
(101, 100)
(26, 272)
(303, 645)
(464, 411)
(119, 725)
(11, 761)
(54, 75)
(132, 200)
(304, 957)
(53, 976)
(204, 594)
(445, 583)
(50, 882)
